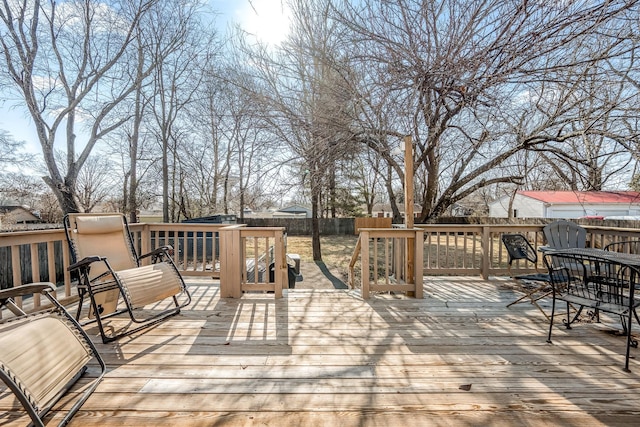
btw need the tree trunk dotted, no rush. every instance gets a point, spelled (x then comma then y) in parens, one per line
(395, 212)
(64, 195)
(132, 202)
(431, 193)
(512, 197)
(125, 193)
(332, 193)
(315, 224)
(165, 182)
(68, 202)
(316, 201)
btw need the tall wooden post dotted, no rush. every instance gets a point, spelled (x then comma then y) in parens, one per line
(408, 210)
(408, 182)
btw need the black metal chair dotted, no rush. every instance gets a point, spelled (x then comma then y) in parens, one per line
(625, 246)
(535, 286)
(606, 283)
(631, 247)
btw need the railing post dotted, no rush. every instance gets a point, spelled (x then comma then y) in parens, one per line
(229, 243)
(410, 261)
(354, 259)
(399, 252)
(35, 271)
(364, 250)
(280, 264)
(15, 268)
(236, 260)
(485, 251)
(51, 264)
(418, 263)
(145, 242)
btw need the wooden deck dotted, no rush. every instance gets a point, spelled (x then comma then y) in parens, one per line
(458, 357)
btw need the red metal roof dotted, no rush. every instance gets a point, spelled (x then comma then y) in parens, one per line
(626, 197)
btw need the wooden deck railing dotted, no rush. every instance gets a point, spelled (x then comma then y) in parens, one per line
(43, 255)
(390, 260)
(34, 256)
(196, 246)
(453, 250)
(200, 250)
(252, 259)
(472, 249)
(477, 249)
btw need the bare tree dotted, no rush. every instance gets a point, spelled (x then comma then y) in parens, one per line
(133, 137)
(207, 158)
(370, 176)
(231, 159)
(248, 150)
(456, 71)
(178, 75)
(11, 153)
(20, 188)
(96, 182)
(590, 109)
(308, 100)
(65, 61)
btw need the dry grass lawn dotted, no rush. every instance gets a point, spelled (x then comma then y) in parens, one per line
(336, 250)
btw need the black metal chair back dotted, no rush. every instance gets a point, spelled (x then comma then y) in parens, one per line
(534, 286)
(625, 247)
(518, 247)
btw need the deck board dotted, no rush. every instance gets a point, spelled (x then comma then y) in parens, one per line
(329, 358)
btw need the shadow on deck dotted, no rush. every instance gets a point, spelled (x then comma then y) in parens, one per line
(327, 358)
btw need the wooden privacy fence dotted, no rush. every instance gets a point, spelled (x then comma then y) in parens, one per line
(367, 222)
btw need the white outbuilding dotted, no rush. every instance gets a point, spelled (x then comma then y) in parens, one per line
(567, 204)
